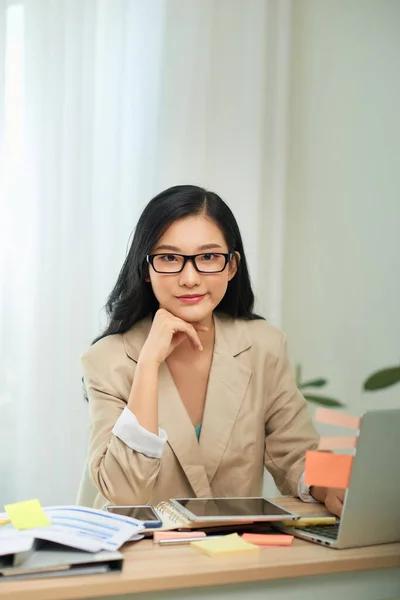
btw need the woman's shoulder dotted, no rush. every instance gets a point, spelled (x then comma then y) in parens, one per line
(103, 349)
(264, 337)
(259, 328)
(255, 333)
(118, 346)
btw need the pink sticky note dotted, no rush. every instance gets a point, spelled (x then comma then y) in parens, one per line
(268, 539)
(324, 415)
(175, 535)
(326, 469)
(343, 442)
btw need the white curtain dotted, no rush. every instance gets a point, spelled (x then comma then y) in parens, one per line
(103, 104)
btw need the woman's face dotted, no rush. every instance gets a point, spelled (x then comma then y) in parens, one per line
(190, 295)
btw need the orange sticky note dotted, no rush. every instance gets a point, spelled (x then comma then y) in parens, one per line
(268, 539)
(343, 442)
(328, 470)
(325, 415)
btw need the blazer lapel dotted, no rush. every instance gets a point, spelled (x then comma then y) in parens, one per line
(172, 416)
(227, 387)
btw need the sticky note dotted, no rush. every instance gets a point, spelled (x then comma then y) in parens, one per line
(177, 535)
(326, 469)
(268, 539)
(325, 415)
(4, 521)
(343, 442)
(27, 515)
(227, 545)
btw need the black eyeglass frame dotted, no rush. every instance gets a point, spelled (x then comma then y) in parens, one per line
(192, 257)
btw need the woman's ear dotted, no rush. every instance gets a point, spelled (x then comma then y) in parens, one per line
(233, 265)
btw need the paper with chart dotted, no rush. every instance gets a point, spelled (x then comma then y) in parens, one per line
(77, 527)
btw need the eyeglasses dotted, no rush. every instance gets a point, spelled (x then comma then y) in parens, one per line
(211, 262)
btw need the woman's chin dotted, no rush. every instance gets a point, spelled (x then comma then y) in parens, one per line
(191, 314)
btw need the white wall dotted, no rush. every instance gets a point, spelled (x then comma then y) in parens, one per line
(342, 249)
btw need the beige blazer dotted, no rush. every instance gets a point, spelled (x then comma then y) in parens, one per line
(253, 416)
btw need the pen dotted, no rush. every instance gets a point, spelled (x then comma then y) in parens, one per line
(310, 521)
(175, 541)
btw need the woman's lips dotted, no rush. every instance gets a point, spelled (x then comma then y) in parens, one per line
(192, 299)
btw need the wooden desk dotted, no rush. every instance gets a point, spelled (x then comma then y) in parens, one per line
(294, 572)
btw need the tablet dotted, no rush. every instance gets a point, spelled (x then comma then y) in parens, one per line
(231, 509)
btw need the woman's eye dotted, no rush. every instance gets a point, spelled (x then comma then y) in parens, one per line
(169, 257)
(209, 256)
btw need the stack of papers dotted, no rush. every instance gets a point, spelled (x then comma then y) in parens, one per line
(61, 540)
(77, 527)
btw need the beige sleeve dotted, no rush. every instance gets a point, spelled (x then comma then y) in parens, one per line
(121, 474)
(289, 431)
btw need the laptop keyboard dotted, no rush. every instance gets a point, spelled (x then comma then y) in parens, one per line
(328, 531)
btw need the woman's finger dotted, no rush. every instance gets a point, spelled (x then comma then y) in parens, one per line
(199, 327)
(334, 504)
(190, 332)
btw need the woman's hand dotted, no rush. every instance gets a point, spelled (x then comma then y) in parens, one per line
(333, 498)
(166, 333)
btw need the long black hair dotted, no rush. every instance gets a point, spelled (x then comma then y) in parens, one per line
(132, 297)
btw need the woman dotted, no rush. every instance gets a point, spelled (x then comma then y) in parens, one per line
(190, 392)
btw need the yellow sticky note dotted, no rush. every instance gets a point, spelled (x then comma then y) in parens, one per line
(27, 515)
(227, 545)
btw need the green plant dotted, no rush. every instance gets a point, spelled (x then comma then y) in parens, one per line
(315, 383)
(382, 379)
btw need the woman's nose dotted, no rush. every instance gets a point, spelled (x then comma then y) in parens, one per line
(189, 275)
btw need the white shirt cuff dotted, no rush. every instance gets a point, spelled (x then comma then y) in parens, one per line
(303, 491)
(129, 430)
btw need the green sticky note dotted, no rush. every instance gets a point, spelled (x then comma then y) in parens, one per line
(27, 515)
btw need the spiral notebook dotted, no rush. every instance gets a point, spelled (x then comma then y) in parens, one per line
(172, 518)
(195, 513)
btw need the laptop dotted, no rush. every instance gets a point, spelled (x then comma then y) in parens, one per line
(371, 509)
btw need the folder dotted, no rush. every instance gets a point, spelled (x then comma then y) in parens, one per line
(48, 559)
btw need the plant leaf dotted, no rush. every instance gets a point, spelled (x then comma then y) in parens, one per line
(382, 379)
(298, 375)
(323, 400)
(314, 383)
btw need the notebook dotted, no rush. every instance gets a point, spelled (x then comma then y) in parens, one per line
(194, 513)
